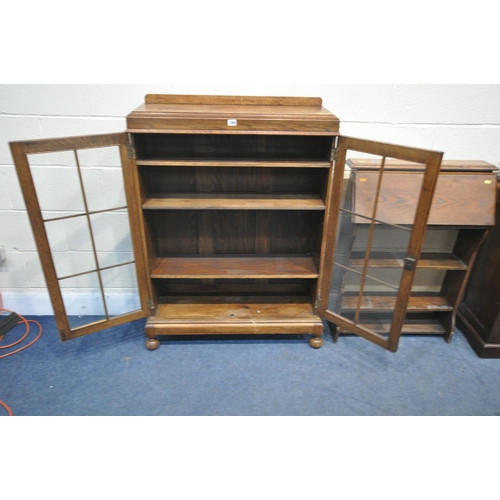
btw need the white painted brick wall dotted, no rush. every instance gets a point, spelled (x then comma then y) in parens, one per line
(461, 120)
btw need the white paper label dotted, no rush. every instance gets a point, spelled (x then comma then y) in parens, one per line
(232, 123)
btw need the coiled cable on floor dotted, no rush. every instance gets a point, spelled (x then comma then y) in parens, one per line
(26, 323)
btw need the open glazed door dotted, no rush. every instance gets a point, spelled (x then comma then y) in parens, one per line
(373, 238)
(83, 209)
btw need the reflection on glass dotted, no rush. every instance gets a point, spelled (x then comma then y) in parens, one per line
(121, 289)
(378, 209)
(83, 300)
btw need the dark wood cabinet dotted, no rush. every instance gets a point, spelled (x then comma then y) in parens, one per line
(479, 312)
(236, 221)
(461, 213)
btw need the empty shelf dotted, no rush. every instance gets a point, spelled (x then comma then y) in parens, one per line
(223, 266)
(230, 314)
(234, 202)
(235, 163)
(445, 261)
(427, 327)
(384, 303)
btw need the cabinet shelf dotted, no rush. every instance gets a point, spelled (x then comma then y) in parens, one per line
(385, 303)
(417, 327)
(233, 267)
(231, 163)
(232, 314)
(233, 202)
(444, 261)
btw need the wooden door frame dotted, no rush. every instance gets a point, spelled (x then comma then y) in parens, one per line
(432, 159)
(20, 151)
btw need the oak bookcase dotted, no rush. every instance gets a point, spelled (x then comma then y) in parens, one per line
(236, 209)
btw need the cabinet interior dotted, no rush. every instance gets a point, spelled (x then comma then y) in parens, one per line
(232, 147)
(234, 219)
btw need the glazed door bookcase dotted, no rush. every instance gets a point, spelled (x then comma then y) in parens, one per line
(235, 216)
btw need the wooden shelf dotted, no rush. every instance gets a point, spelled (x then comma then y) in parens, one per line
(445, 261)
(233, 202)
(420, 327)
(235, 163)
(230, 314)
(384, 303)
(227, 267)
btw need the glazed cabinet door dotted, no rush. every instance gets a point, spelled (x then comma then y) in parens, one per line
(369, 255)
(83, 209)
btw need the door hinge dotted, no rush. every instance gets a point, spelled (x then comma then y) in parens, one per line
(335, 154)
(150, 303)
(131, 151)
(317, 304)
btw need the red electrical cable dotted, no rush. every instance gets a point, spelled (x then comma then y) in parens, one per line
(9, 411)
(24, 336)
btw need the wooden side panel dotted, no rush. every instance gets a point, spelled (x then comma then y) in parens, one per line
(479, 313)
(458, 200)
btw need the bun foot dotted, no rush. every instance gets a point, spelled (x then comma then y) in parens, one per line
(152, 344)
(316, 342)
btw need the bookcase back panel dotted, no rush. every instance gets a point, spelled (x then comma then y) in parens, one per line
(212, 232)
(232, 146)
(163, 180)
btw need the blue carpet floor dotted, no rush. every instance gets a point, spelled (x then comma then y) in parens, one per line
(112, 373)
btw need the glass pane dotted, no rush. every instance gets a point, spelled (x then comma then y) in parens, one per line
(102, 178)
(83, 300)
(84, 212)
(79, 249)
(428, 281)
(57, 183)
(112, 238)
(71, 246)
(121, 290)
(378, 208)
